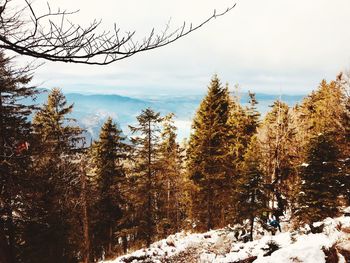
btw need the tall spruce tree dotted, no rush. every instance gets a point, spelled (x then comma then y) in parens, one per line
(146, 155)
(319, 180)
(343, 80)
(325, 111)
(54, 233)
(251, 194)
(171, 180)
(109, 153)
(84, 201)
(52, 125)
(277, 140)
(253, 117)
(243, 123)
(207, 157)
(15, 130)
(322, 112)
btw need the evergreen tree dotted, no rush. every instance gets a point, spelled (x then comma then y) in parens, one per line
(84, 203)
(319, 176)
(253, 116)
(322, 112)
(346, 125)
(238, 139)
(343, 80)
(278, 146)
(252, 198)
(207, 157)
(15, 130)
(171, 180)
(54, 233)
(109, 154)
(326, 111)
(344, 179)
(346, 146)
(243, 123)
(146, 154)
(52, 125)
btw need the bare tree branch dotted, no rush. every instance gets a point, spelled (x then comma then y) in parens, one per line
(41, 36)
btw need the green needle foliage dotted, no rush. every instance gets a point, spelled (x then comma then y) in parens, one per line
(15, 160)
(319, 181)
(207, 157)
(146, 155)
(109, 154)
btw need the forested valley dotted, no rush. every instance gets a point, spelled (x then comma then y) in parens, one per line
(63, 199)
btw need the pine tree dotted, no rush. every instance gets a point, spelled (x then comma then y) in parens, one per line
(253, 116)
(207, 157)
(326, 111)
(109, 154)
(146, 154)
(54, 233)
(84, 203)
(322, 112)
(243, 123)
(344, 179)
(15, 130)
(170, 180)
(278, 146)
(346, 125)
(52, 125)
(252, 198)
(319, 175)
(346, 145)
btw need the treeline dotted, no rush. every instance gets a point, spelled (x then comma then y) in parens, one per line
(61, 201)
(295, 159)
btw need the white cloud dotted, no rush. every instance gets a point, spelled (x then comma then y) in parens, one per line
(263, 45)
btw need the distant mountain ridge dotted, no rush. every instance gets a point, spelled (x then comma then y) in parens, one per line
(91, 110)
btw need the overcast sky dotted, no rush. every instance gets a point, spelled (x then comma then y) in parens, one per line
(270, 46)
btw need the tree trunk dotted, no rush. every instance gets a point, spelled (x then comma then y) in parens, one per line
(125, 244)
(5, 256)
(251, 228)
(209, 220)
(11, 234)
(149, 201)
(177, 214)
(9, 214)
(86, 241)
(110, 238)
(4, 247)
(168, 200)
(252, 216)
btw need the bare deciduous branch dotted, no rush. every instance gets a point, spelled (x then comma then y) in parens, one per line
(68, 42)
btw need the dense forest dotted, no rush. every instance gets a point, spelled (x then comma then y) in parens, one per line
(64, 200)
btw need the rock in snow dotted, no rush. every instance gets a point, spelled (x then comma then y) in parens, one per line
(222, 246)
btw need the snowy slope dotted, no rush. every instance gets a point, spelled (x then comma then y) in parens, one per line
(222, 246)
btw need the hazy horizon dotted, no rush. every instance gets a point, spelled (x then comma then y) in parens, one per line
(149, 95)
(92, 110)
(270, 46)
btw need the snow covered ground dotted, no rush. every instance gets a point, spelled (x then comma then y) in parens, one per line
(222, 246)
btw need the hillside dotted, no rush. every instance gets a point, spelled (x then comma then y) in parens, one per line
(332, 244)
(92, 110)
